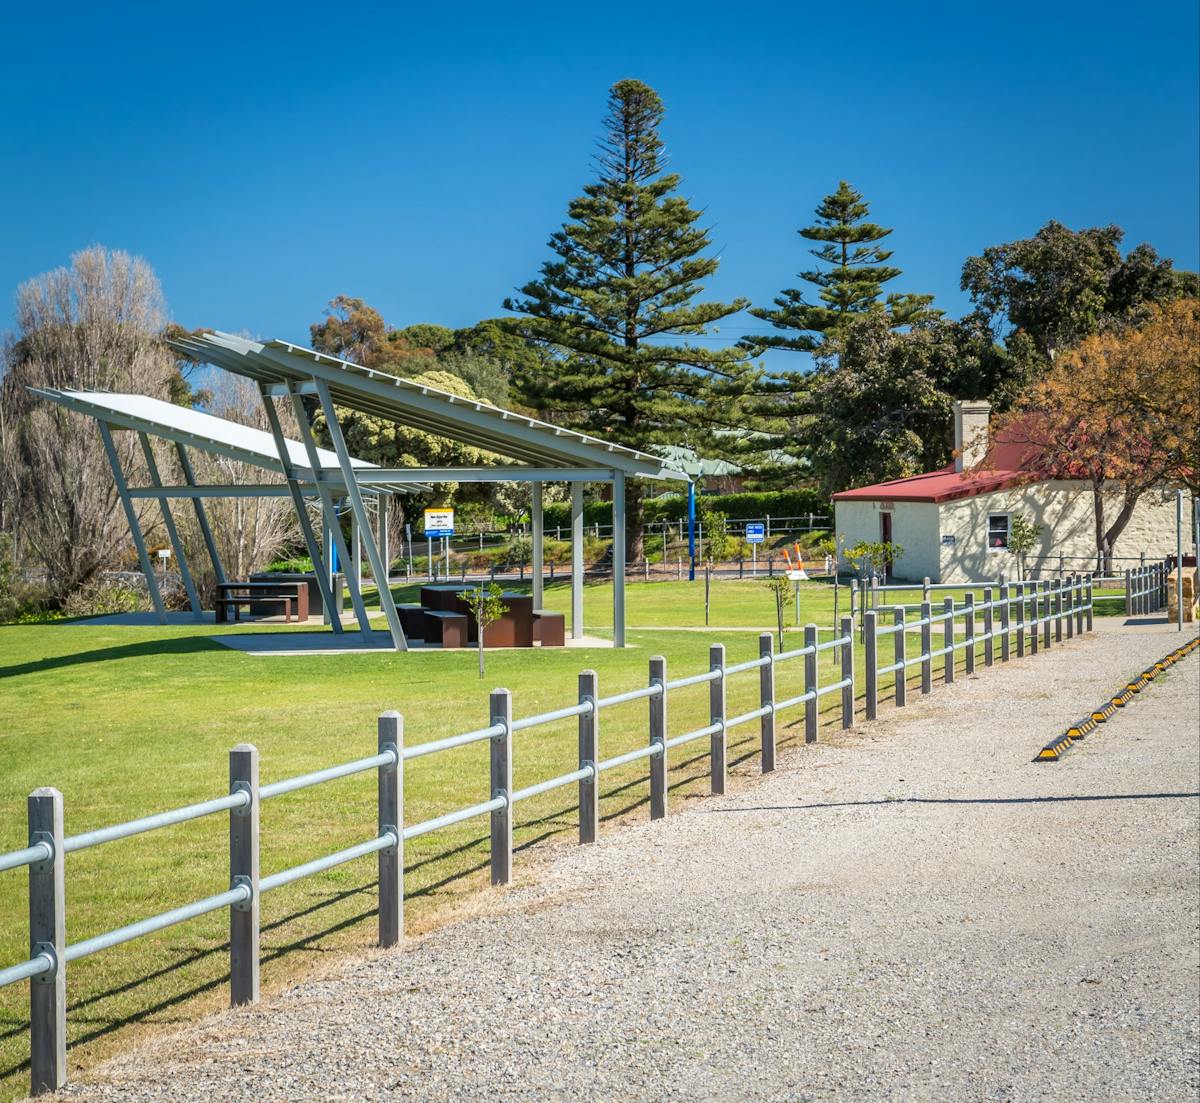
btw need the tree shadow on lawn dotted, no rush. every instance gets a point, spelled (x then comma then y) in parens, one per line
(186, 645)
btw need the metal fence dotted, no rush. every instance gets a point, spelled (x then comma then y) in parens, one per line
(44, 857)
(1145, 589)
(1022, 616)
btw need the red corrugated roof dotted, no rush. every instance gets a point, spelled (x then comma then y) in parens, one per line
(945, 485)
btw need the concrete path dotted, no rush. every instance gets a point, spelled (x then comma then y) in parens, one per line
(911, 912)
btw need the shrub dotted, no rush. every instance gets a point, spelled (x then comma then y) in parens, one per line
(300, 564)
(100, 597)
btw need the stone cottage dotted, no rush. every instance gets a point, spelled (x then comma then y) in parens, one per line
(954, 524)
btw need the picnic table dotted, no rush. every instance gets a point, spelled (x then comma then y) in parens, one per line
(291, 597)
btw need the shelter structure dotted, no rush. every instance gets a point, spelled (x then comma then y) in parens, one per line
(314, 474)
(526, 450)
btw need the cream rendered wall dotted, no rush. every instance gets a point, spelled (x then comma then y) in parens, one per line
(914, 528)
(1065, 510)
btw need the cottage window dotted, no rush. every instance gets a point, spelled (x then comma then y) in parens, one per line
(997, 536)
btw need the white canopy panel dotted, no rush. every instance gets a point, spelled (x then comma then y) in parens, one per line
(195, 429)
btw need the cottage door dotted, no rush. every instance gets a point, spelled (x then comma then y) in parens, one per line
(885, 536)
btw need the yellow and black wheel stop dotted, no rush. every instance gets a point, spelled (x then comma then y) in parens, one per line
(1057, 747)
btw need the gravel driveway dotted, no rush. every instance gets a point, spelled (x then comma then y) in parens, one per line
(914, 911)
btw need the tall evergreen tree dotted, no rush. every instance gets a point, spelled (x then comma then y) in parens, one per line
(852, 283)
(628, 266)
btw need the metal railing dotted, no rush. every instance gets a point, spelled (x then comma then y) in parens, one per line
(44, 857)
(1019, 616)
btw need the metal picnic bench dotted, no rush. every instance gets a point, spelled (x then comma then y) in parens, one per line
(292, 597)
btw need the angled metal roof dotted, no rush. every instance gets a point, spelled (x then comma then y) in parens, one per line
(467, 420)
(196, 429)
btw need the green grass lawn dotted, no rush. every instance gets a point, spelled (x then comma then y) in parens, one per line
(128, 721)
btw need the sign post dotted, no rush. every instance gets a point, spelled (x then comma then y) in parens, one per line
(691, 519)
(756, 533)
(438, 523)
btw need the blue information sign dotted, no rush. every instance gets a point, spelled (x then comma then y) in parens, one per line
(756, 532)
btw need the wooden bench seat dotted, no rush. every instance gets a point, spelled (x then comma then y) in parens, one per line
(225, 606)
(291, 597)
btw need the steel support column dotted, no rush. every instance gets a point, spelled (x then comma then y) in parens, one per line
(206, 532)
(577, 561)
(618, 558)
(329, 508)
(537, 525)
(172, 532)
(332, 615)
(135, 530)
(357, 505)
(383, 502)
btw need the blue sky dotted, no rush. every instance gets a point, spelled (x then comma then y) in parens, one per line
(266, 157)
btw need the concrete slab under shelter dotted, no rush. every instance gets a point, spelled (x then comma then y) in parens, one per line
(355, 643)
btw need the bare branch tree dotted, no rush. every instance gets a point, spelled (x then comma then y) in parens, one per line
(95, 325)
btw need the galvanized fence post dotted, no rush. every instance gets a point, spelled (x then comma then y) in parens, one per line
(766, 700)
(1020, 634)
(1077, 603)
(871, 661)
(969, 629)
(899, 656)
(1129, 610)
(1034, 620)
(926, 648)
(48, 935)
(948, 641)
(1046, 597)
(589, 755)
(989, 651)
(1069, 606)
(847, 650)
(1090, 600)
(501, 777)
(810, 683)
(925, 588)
(716, 715)
(658, 735)
(1004, 611)
(391, 818)
(1058, 611)
(243, 870)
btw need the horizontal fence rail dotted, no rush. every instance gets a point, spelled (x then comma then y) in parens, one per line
(1021, 616)
(1016, 616)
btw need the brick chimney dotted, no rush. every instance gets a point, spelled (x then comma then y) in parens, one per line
(970, 432)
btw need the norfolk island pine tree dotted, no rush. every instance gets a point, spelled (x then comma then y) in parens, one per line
(616, 304)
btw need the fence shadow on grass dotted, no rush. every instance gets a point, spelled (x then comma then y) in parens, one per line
(547, 826)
